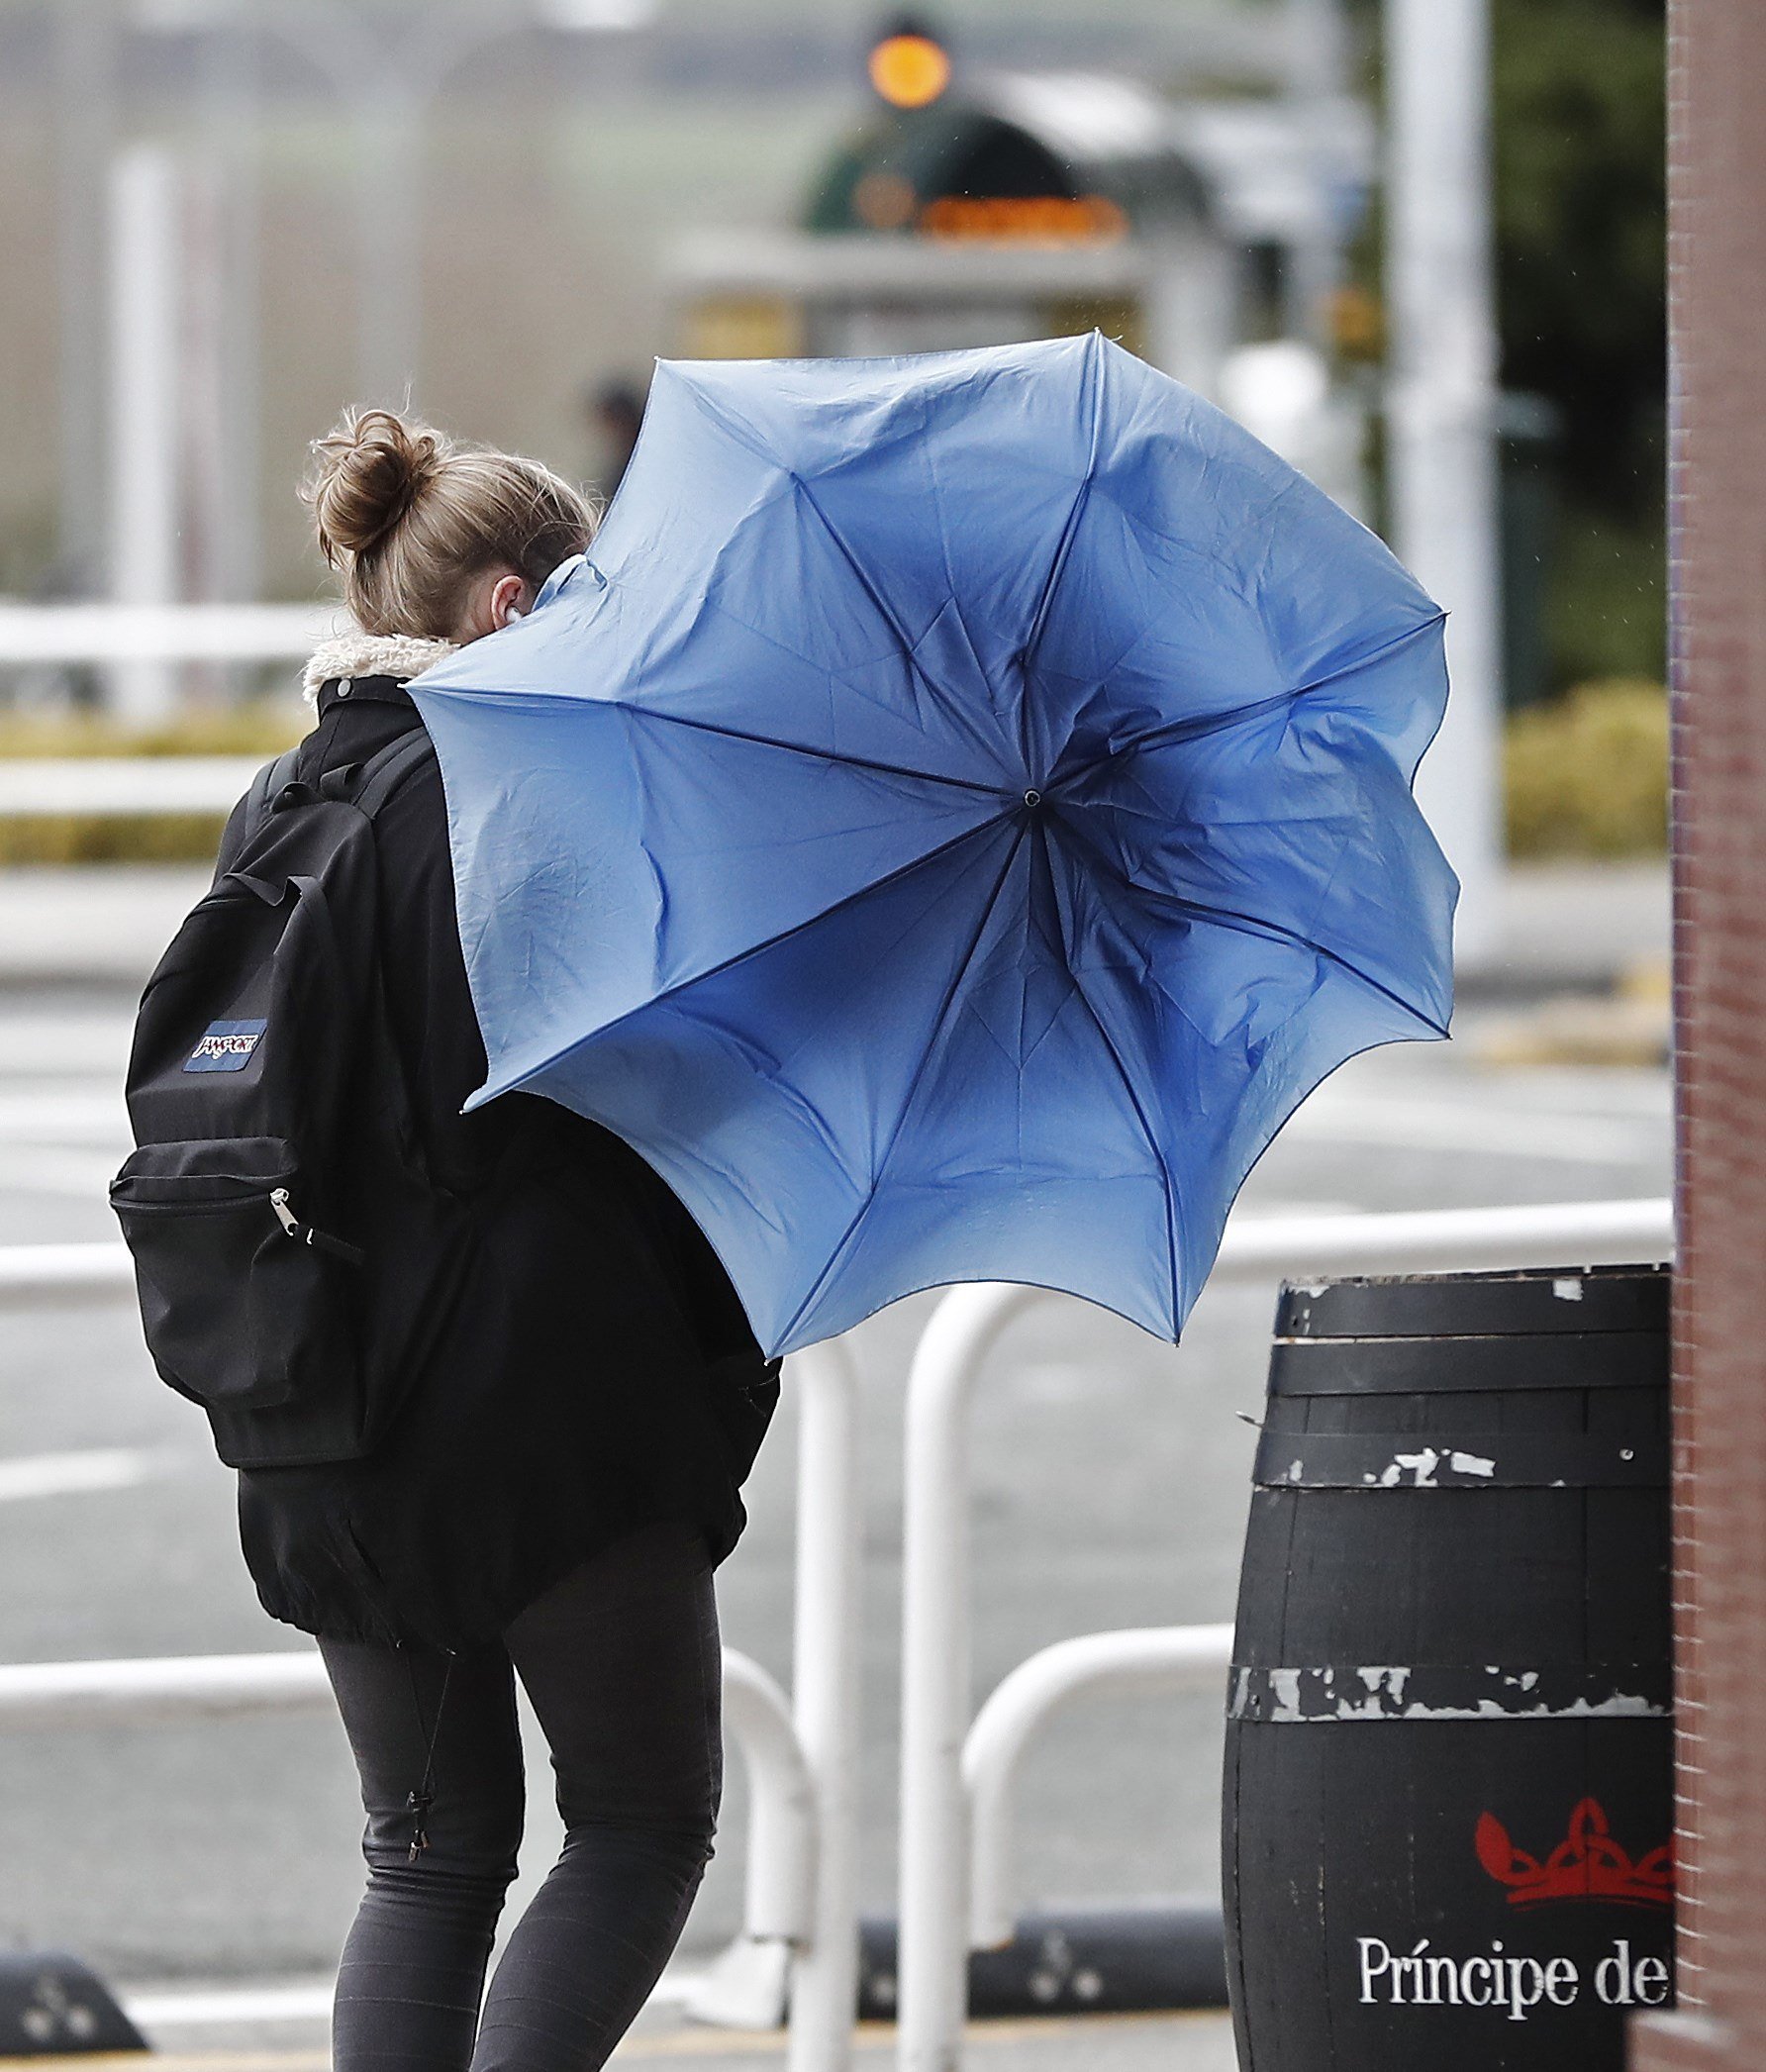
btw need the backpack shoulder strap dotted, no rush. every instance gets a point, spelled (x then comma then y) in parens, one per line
(383, 773)
(249, 815)
(270, 780)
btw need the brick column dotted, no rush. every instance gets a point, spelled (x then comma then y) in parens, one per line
(1718, 521)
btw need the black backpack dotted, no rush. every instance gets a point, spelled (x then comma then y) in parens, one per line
(290, 1251)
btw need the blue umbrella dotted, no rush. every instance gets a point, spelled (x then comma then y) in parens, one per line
(956, 813)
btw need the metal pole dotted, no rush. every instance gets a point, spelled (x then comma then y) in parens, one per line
(1441, 414)
(935, 1668)
(389, 229)
(201, 361)
(1317, 70)
(85, 57)
(936, 1652)
(144, 412)
(231, 82)
(828, 1664)
(780, 1893)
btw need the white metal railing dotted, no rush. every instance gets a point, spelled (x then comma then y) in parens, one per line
(781, 1858)
(935, 1816)
(157, 1690)
(1135, 1659)
(120, 784)
(801, 1931)
(1255, 1249)
(33, 1274)
(800, 1935)
(137, 647)
(154, 632)
(827, 1672)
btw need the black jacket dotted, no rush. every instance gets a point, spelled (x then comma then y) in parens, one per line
(597, 1373)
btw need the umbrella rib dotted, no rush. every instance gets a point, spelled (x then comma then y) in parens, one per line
(1080, 495)
(1374, 655)
(1187, 730)
(1246, 924)
(881, 604)
(1064, 545)
(629, 710)
(952, 992)
(768, 741)
(743, 438)
(1140, 1115)
(755, 950)
(1195, 730)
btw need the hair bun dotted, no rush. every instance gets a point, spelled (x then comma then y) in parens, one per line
(367, 476)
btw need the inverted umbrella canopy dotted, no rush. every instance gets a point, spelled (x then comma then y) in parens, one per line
(958, 812)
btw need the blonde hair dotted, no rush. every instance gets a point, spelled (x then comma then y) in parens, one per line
(407, 516)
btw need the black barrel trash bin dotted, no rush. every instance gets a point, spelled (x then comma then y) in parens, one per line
(1448, 1777)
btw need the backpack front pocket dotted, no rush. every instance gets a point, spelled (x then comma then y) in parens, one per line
(244, 1305)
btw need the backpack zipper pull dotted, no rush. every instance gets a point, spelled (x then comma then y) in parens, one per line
(305, 1233)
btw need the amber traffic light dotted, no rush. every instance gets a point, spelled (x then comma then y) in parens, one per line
(910, 69)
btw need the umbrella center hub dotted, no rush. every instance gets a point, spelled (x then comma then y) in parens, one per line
(1032, 799)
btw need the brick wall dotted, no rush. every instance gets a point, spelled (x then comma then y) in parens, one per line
(1717, 505)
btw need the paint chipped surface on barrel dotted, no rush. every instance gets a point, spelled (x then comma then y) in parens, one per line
(1448, 1781)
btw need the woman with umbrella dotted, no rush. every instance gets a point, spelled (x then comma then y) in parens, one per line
(955, 813)
(550, 1501)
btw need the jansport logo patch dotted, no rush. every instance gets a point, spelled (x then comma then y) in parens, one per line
(226, 1047)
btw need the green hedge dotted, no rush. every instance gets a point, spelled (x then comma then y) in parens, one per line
(261, 729)
(1587, 775)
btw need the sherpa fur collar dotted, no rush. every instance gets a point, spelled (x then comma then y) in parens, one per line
(356, 654)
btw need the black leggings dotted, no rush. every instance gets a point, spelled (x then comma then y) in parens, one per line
(621, 1661)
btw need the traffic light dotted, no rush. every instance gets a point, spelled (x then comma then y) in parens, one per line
(908, 66)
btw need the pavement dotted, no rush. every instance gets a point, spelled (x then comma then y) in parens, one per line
(206, 1866)
(1096, 2044)
(1574, 928)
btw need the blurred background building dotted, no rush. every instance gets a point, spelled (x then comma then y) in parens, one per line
(1415, 244)
(219, 222)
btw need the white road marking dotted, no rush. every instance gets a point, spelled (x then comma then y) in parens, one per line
(300, 2000)
(54, 1046)
(1619, 1091)
(71, 1474)
(82, 1173)
(304, 2000)
(1440, 1126)
(56, 1112)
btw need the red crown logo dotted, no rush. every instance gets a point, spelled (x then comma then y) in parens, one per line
(1589, 1865)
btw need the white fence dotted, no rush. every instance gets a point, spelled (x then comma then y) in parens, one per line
(123, 783)
(800, 1934)
(137, 648)
(185, 632)
(117, 638)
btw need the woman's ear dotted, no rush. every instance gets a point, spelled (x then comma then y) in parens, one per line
(511, 598)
